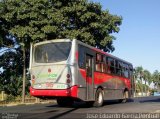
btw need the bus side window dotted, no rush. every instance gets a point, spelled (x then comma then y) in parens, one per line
(98, 57)
(111, 65)
(118, 68)
(108, 65)
(103, 64)
(100, 63)
(130, 71)
(81, 58)
(123, 69)
(126, 71)
(103, 67)
(98, 67)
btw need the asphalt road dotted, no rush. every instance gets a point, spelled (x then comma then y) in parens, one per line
(136, 107)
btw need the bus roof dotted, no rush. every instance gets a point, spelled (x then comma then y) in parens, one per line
(51, 41)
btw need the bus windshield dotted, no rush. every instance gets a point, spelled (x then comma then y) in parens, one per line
(52, 52)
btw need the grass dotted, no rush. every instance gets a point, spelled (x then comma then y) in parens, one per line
(10, 100)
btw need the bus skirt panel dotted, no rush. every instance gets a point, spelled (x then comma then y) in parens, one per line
(69, 92)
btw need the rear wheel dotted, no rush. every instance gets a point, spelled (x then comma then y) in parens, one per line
(90, 103)
(63, 102)
(125, 97)
(99, 99)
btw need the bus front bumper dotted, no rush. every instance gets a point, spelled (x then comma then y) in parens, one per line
(69, 92)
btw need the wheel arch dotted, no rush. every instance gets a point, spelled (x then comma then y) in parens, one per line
(126, 89)
(99, 100)
(99, 87)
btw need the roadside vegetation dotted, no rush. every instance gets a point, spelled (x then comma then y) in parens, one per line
(146, 82)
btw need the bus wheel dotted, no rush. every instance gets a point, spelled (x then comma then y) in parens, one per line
(90, 103)
(63, 102)
(98, 98)
(125, 97)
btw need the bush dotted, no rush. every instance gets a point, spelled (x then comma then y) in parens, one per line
(10, 98)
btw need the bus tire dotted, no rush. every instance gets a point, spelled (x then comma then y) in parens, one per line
(125, 97)
(90, 103)
(99, 99)
(64, 102)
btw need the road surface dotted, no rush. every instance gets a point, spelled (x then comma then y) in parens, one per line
(146, 107)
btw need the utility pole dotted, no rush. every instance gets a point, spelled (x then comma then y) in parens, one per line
(24, 74)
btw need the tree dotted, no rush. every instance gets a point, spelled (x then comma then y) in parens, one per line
(138, 86)
(147, 78)
(156, 78)
(39, 20)
(11, 78)
(139, 75)
(26, 21)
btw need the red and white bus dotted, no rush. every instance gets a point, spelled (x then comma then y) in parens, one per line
(69, 70)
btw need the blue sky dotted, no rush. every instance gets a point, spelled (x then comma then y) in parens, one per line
(139, 38)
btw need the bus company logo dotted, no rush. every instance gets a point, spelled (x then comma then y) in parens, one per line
(50, 76)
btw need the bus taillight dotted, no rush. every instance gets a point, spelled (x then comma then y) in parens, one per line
(68, 81)
(68, 78)
(68, 75)
(49, 70)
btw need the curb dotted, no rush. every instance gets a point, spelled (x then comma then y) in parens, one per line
(19, 104)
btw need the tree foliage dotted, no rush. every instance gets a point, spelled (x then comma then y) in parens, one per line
(39, 20)
(11, 77)
(139, 75)
(156, 78)
(143, 75)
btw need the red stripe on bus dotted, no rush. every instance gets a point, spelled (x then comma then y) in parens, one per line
(100, 78)
(70, 92)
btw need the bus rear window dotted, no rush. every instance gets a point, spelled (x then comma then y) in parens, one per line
(52, 52)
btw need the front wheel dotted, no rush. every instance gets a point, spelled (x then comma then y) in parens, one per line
(99, 99)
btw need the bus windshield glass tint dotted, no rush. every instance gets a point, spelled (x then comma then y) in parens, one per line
(52, 52)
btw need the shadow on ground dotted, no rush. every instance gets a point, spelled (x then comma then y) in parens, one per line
(152, 100)
(85, 105)
(147, 99)
(71, 112)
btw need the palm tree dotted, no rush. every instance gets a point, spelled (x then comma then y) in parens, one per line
(156, 78)
(139, 75)
(150, 80)
(146, 77)
(138, 86)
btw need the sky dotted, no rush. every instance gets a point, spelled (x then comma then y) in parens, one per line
(139, 38)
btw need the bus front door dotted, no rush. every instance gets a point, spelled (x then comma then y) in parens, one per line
(89, 77)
